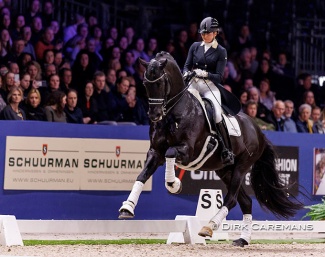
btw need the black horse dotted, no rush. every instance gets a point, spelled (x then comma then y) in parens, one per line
(180, 134)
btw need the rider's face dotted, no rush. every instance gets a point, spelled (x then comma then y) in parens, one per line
(208, 37)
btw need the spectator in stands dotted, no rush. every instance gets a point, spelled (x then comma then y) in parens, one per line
(101, 97)
(14, 68)
(262, 110)
(26, 33)
(254, 62)
(243, 97)
(48, 13)
(32, 108)
(243, 40)
(181, 47)
(267, 97)
(192, 33)
(6, 42)
(49, 70)
(96, 33)
(289, 111)
(91, 19)
(37, 31)
(33, 11)
(72, 111)
(127, 62)
(152, 48)
(304, 124)
(250, 109)
(16, 50)
(117, 103)
(264, 71)
(140, 89)
(137, 112)
(53, 84)
(12, 111)
(23, 59)
(110, 78)
(138, 51)
(47, 58)
(5, 21)
(305, 84)
(57, 30)
(19, 23)
(129, 34)
(54, 108)
(277, 118)
(113, 59)
(58, 59)
(25, 85)
(82, 71)
(65, 80)
(88, 105)
(282, 66)
(77, 42)
(318, 123)
(71, 31)
(113, 34)
(3, 103)
(309, 98)
(94, 56)
(45, 43)
(245, 65)
(123, 44)
(8, 83)
(34, 70)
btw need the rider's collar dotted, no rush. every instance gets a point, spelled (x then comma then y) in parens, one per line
(213, 44)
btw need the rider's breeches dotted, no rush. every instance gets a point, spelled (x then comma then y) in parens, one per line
(209, 90)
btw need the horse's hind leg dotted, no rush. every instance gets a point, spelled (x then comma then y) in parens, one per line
(245, 203)
(233, 183)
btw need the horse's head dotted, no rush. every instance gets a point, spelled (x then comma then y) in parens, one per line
(157, 87)
(163, 82)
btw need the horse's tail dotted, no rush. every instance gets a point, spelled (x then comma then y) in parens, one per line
(266, 183)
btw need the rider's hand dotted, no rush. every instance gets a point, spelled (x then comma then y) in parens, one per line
(201, 73)
(186, 73)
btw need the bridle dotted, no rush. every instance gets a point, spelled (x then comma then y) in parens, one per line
(164, 102)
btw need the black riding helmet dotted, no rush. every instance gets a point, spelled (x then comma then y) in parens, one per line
(208, 25)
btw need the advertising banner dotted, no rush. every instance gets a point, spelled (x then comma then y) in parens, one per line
(44, 163)
(286, 162)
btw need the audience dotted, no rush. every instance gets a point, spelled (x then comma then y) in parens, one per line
(36, 46)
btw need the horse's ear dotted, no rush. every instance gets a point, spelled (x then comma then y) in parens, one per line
(143, 62)
(163, 64)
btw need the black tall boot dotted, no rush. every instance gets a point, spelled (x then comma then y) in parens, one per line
(227, 155)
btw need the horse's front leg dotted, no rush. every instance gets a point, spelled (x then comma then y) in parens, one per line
(173, 183)
(230, 202)
(152, 162)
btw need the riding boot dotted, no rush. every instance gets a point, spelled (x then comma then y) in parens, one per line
(227, 156)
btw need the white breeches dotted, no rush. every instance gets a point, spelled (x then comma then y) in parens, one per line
(211, 92)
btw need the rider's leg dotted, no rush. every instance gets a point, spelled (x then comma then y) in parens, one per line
(226, 155)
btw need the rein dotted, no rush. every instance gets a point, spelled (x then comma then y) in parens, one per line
(165, 102)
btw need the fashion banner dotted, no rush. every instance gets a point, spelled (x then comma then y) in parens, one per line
(44, 163)
(286, 162)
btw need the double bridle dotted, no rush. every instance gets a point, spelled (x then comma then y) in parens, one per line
(164, 102)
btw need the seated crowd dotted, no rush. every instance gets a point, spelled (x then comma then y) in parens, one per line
(83, 74)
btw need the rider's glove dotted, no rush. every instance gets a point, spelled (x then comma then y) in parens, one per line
(201, 73)
(186, 73)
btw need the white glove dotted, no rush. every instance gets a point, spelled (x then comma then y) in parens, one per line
(186, 74)
(201, 73)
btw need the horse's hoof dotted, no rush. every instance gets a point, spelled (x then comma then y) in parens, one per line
(125, 214)
(206, 231)
(240, 242)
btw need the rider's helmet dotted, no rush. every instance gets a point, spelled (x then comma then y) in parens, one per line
(209, 24)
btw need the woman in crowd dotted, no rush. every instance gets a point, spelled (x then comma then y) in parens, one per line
(88, 105)
(12, 111)
(54, 109)
(72, 112)
(267, 97)
(32, 107)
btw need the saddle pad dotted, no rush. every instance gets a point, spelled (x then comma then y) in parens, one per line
(231, 122)
(232, 125)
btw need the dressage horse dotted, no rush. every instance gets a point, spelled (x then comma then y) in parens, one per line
(181, 134)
